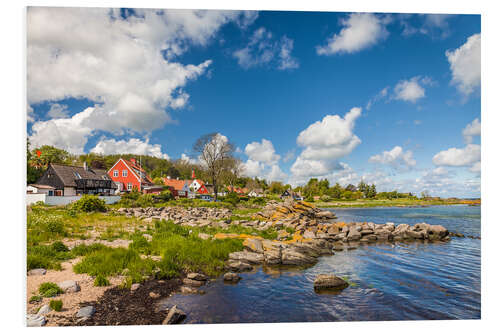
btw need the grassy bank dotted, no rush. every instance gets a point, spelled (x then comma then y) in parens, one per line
(367, 203)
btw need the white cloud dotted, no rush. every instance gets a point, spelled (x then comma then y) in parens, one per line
(396, 157)
(263, 49)
(471, 130)
(382, 94)
(58, 111)
(187, 159)
(359, 31)
(262, 152)
(411, 90)
(70, 134)
(289, 155)
(275, 174)
(132, 146)
(458, 157)
(30, 114)
(433, 25)
(253, 168)
(465, 65)
(324, 143)
(330, 138)
(476, 167)
(117, 63)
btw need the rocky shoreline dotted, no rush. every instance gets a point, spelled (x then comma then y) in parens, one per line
(304, 233)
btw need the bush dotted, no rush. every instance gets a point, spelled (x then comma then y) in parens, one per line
(59, 246)
(232, 198)
(258, 201)
(164, 196)
(309, 198)
(146, 200)
(35, 298)
(56, 304)
(101, 281)
(326, 198)
(49, 289)
(89, 203)
(140, 244)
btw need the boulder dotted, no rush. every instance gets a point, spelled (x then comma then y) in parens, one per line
(253, 244)
(188, 290)
(231, 277)
(325, 214)
(290, 256)
(197, 277)
(283, 234)
(135, 286)
(326, 281)
(85, 312)
(44, 310)
(309, 234)
(37, 271)
(238, 266)
(69, 286)
(193, 283)
(248, 257)
(35, 320)
(174, 316)
(437, 232)
(353, 234)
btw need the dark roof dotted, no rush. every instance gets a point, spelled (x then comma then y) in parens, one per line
(68, 174)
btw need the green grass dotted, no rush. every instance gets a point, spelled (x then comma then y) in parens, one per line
(49, 289)
(101, 281)
(35, 298)
(56, 304)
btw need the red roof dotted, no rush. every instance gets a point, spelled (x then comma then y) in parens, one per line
(136, 168)
(177, 184)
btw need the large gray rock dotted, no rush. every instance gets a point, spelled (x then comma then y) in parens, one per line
(174, 316)
(197, 277)
(248, 257)
(253, 245)
(231, 277)
(193, 283)
(69, 286)
(290, 256)
(325, 214)
(437, 232)
(35, 320)
(309, 234)
(353, 234)
(238, 266)
(44, 310)
(326, 281)
(85, 312)
(37, 271)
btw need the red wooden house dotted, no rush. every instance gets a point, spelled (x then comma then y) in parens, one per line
(128, 174)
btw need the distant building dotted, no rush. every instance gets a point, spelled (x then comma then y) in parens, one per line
(289, 193)
(127, 175)
(256, 193)
(40, 189)
(68, 180)
(179, 188)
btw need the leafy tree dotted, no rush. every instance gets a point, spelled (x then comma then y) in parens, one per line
(350, 188)
(214, 150)
(372, 191)
(335, 191)
(277, 187)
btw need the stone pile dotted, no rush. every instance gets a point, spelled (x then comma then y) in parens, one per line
(293, 213)
(193, 216)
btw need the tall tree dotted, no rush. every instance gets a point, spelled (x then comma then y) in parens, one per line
(214, 151)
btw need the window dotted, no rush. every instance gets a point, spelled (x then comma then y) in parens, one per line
(129, 186)
(124, 173)
(77, 175)
(115, 173)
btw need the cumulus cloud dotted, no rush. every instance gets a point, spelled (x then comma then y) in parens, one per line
(471, 130)
(465, 65)
(411, 90)
(325, 142)
(186, 158)
(58, 111)
(395, 157)
(262, 151)
(125, 65)
(253, 168)
(30, 114)
(264, 49)
(132, 146)
(458, 157)
(359, 32)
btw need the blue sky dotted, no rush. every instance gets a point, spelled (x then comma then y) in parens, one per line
(391, 99)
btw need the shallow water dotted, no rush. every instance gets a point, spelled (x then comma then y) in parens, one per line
(388, 282)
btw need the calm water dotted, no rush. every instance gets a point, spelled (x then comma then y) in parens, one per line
(389, 282)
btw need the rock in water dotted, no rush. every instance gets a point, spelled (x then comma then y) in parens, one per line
(85, 312)
(231, 277)
(35, 320)
(69, 286)
(326, 281)
(193, 283)
(174, 316)
(197, 277)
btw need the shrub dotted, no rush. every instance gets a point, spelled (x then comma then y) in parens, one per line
(56, 304)
(101, 281)
(309, 198)
(49, 289)
(146, 200)
(59, 246)
(140, 244)
(164, 196)
(326, 198)
(232, 198)
(35, 298)
(82, 249)
(89, 203)
(258, 201)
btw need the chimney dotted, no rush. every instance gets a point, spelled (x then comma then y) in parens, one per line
(192, 174)
(168, 177)
(85, 167)
(177, 178)
(132, 160)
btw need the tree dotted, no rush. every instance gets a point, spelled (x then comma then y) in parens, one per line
(350, 188)
(363, 187)
(336, 191)
(214, 150)
(277, 187)
(372, 191)
(232, 171)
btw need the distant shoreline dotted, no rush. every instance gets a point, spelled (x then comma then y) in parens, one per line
(394, 203)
